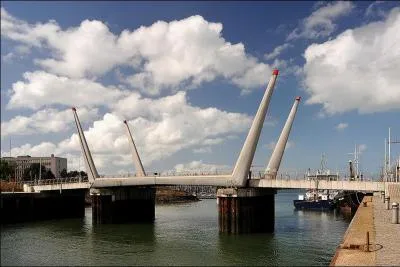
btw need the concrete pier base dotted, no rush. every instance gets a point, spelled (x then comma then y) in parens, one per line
(123, 205)
(246, 210)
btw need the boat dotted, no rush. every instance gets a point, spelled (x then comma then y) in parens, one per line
(315, 199)
(347, 202)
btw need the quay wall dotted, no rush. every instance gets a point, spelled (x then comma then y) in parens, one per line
(19, 207)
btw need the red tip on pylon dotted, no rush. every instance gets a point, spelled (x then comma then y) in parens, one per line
(73, 108)
(298, 98)
(125, 121)
(275, 72)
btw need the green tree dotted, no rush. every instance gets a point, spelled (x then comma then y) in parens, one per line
(64, 173)
(49, 175)
(33, 172)
(73, 174)
(6, 170)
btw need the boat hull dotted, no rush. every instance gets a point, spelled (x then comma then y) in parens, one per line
(313, 205)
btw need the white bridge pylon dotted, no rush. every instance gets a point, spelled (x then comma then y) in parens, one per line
(277, 154)
(87, 156)
(238, 178)
(135, 155)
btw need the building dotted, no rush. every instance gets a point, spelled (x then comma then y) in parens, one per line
(55, 164)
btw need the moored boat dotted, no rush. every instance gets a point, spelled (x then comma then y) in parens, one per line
(315, 199)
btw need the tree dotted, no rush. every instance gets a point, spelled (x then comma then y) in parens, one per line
(33, 172)
(6, 170)
(73, 174)
(49, 175)
(64, 173)
(76, 174)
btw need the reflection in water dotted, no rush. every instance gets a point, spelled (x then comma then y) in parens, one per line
(184, 234)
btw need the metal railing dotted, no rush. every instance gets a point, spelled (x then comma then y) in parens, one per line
(169, 173)
(67, 180)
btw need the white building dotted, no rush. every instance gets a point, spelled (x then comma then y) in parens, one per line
(55, 164)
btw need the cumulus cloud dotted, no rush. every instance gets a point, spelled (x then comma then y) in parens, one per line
(44, 89)
(277, 51)
(44, 121)
(341, 126)
(321, 22)
(43, 149)
(358, 70)
(163, 56)
(374, 10)
(160, 128)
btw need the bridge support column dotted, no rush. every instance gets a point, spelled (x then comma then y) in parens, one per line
(246, 210)
(123, 205)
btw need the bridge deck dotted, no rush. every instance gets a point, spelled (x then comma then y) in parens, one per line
(216, 180)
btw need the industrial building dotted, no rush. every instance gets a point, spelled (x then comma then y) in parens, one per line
(55, 164)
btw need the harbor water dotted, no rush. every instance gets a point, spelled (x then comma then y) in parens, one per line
(182, 234)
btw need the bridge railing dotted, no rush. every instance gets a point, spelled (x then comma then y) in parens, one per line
(170, 173)
(66, 180)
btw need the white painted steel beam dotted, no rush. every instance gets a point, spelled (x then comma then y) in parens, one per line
(135, 155)
(87, 156)
(242, 167)
(277, 154)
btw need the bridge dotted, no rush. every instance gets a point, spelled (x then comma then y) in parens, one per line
(68, 184)
(245, 205)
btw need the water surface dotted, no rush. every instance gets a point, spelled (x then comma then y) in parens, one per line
(182, 234)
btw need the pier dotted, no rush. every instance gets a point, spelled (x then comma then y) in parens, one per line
(372, 239)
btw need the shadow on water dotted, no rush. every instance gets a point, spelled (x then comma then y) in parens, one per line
(245, 249)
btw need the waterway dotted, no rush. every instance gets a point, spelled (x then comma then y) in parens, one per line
(182, 234)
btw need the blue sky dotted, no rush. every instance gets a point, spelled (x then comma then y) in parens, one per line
(189, 76)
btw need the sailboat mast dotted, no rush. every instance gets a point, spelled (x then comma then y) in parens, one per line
(385, 165)
(389, 153)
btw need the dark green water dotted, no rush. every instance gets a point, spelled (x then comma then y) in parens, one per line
(184, 234)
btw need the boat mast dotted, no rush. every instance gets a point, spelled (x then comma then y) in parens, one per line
(389, 155)
(385, 165)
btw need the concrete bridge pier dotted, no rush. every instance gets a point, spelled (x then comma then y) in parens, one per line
(123, 204)
(246, 210)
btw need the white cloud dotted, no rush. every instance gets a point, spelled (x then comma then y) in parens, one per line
(358, 70)
(271, 145)
(7, 58)
(341, 126)
(199, 166)
(321, 22)
(43, 89)
(164, 56)
(43, 149)
(277, 51)
(169, 124)
(375, 10)
(287, 67)
(22, 50)
(160, 128)
(44, 121)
